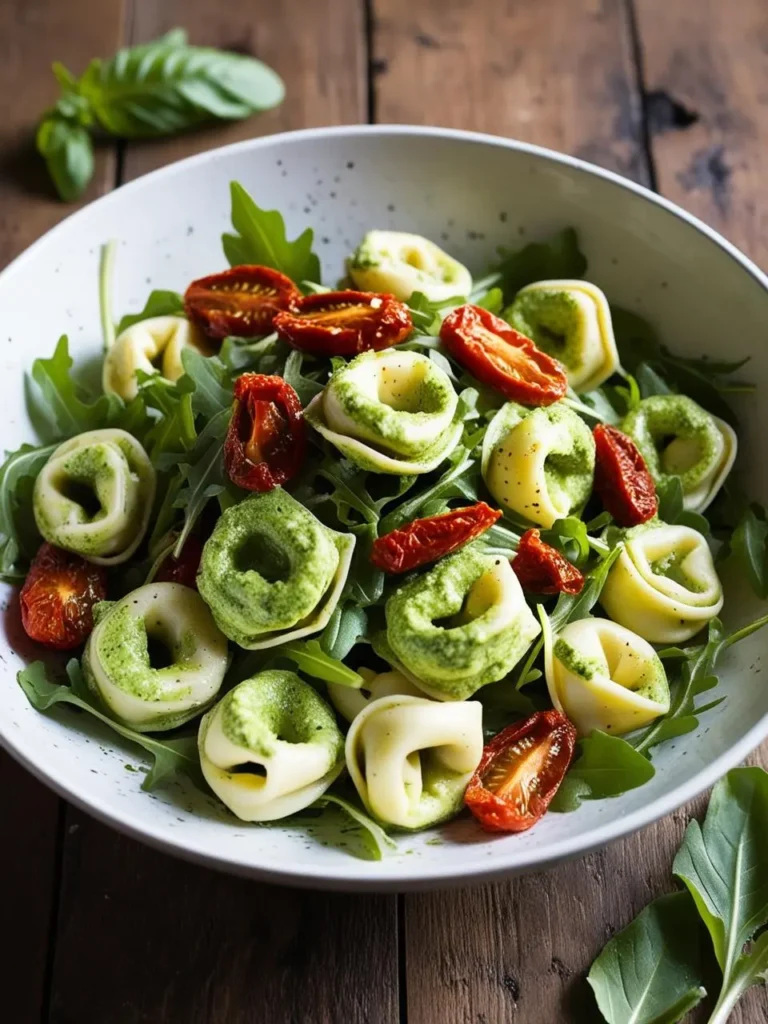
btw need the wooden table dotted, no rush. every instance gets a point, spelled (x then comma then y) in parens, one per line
(102, 930)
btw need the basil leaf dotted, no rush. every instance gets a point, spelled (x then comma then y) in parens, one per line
(662, 950)
(724, 865)
(310, 657)
(159, 303)
(261, 238)
(607, 766)
(165, 86)
(560, 257)
(67, 150)
(169, 756)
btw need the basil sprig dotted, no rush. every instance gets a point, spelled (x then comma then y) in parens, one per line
(158, 88)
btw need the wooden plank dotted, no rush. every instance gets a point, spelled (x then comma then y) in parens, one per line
(706, 74)
(559, 73)
(175, 942)
(32, 35)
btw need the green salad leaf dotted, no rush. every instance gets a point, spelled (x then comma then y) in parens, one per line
(159, 303)
(260, 238)
(651, 972)
(747, 547)
(347, 626)
(374, 838)
(212, 383)
(560, 257)
(606, 766)
(19, 538)
(310, 657)
(169, 756)
(203, 474)
(671, 510)
(67, 149)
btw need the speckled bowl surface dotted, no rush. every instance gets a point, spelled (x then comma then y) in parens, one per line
(470, 193)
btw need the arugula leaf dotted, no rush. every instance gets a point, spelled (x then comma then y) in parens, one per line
(651, 972)
(160, 303)
(671, 510)
(203, 474)
(57, 410)
(267, 355)
(174, 431)
(310, 657)
(18, 535)
(748, 548)
(305, 387)
(169, 756)
(724, 865)
(560, 257)
(376, 841)
(212, 383)
(695, 676)
(261, 238)
(346, 627)
(570, 537)
(425, 313)
(607, 766)
(460, 480)
(66, 147)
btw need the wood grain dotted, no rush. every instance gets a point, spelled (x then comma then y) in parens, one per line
(142, 937)
(33, 33)
(558, 73)
(705, 66)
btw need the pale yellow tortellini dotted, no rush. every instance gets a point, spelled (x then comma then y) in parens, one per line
(411, 758)
(602, 676)
(118, 660)
(349, 702)
(270, 747)
(94, 496)
(539, 463)
(153, 345)
(663, 585)
(401, 264)
(389, 412)
(571, 320)
(676, 437)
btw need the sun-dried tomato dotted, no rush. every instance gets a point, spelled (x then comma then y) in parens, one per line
(622, 479)
(266, 440)
(501, 357)
(542, 569)
(58, 596)
(520, 771)
(242, 301)
(426, 540)
(345, 323)
(184, 568)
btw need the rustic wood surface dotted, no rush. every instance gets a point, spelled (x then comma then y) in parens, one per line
(674, 95)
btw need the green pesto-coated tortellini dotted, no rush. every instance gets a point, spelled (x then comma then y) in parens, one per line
(389, 412)
(463, 624)
(411, 758)
(272, 572)
(94, 496)
(401, 264)
(349, 702)
(156, 658)
(539, 463)
(270, 747)
(676, 437)
(602, 676)
(571, 320)
(153, 345)
(663, 586)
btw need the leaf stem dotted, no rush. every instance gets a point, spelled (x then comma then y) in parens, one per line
(106, 273)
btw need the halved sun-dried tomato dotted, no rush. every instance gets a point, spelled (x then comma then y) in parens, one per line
(242, 301)
(58, 596)
(344, 323)
(622, 479)
(266, 439)
(425, 540)
(502, 357)
(520, 771)
(542, 569)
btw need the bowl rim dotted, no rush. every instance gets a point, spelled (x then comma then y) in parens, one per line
(389, 876)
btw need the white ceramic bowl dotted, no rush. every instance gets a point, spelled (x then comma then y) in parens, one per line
(469, 193)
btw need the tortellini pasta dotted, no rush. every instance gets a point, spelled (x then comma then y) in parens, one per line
(571, 320)
(401, 264)
(271, 571)
(149, 345)
(349, 702)
(156, 658)
(94, 496)
(271, 747)
(463, 624)
(663, 585)
(602, 676)
(677, 437)
(389, 412)
(411, 758)
(539, 463)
